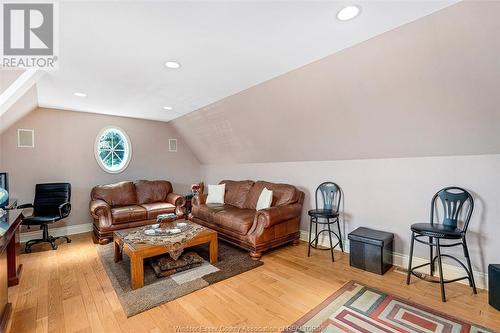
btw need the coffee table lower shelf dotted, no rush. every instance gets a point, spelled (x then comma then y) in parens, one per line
(138, 252)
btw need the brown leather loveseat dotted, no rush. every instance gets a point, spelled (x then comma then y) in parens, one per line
(131, 204)
(237, 221)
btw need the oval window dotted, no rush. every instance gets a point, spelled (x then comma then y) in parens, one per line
(113, 149)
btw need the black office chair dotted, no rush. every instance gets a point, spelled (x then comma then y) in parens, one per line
(52, 203)
(454, 200)
(327, 214)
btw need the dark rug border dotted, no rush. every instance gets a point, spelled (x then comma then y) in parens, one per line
(302, 320)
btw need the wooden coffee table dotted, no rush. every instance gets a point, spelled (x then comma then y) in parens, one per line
(138, 252)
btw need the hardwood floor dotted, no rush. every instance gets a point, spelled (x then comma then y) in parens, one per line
(68, 291)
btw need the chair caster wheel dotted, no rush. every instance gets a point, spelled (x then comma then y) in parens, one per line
(54, 247)
(68, 241)
(27, 250)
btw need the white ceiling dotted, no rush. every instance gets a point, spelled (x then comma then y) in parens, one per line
(114, 51)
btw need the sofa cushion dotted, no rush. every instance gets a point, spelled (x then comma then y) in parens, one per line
(149, 191)
(265, 199)
(128, 214)
(236, 192)
(216, 194)
(157, 208)
(119, 194)
(283, 194)
(206, 212)
(235, 219)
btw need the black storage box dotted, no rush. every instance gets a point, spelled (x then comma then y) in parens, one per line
(371, 250)
(494, 286)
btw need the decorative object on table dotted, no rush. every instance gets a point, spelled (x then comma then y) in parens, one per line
(358, 308)
(195, 188)
(168, 217)
(187, 203)
(4, 181)
(327, 213)
(131, 204)
(202, 188)
(166, 265)
(371, 250)
(6, 202)
(455, 202)
(156, 291)
(241, 224)
(494, 286)
(51, 204)
(4, 197)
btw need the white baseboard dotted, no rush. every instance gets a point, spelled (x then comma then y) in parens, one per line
(61, 231)
(401, 260)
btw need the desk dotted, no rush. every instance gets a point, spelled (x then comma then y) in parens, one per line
(9, 255)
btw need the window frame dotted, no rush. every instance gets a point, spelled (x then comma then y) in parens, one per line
(128, 145)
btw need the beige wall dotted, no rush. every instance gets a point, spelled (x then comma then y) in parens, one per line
(24, 105)
(428, 88)
(391, 194)
(392, 120)
(64, 151)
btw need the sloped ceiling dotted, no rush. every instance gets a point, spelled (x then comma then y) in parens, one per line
(114, 51)
(428, 88)
(7, 77)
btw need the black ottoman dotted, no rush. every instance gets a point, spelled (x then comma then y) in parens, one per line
(494, 286)
(371, 250)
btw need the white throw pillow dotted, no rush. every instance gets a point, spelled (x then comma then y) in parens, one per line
(265, 199)
(216, 194)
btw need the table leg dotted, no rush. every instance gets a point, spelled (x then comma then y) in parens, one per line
(136, 271)
(13, 266)
(118, 251)
(214, 250)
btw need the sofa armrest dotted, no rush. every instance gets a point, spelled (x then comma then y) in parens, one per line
(199, 199)
(176, 200)
(275, 215)
(101, 212)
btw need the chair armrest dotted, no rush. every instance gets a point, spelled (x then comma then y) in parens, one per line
(176, 200)
(199, 199)
(101, 212)
(275, 215)
(64, 209)
(28, 205)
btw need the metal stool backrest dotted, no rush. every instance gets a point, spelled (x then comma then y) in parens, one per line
(330, 195)
(49, 197)
(453, 200)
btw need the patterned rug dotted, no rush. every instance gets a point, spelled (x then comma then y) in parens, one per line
(156, 291)
(357, 308)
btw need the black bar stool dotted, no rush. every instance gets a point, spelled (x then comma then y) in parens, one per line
(327, 215)
(454, 200)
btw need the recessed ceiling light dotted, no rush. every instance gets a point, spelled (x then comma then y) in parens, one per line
(80, 94)
(172, 64)
(168, 108)
(348, 13)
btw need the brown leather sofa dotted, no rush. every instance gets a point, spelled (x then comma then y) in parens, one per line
(131, 204)
(237, 221)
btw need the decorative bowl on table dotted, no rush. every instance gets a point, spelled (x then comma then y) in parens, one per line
(167, 229)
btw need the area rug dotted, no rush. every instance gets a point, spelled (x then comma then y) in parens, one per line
(156, 291)
(357, 308)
